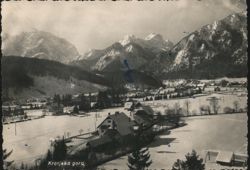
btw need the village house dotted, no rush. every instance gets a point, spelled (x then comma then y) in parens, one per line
(119, 128)
(144, 111)
(226, 158)
(131, 105)
(119, 122)
(12, 110)
(68, 110)
(201, 86)
(128, 105)
(116, 129)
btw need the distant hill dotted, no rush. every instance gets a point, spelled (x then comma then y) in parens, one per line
(23, 77)
(46, 77)
(39, 44)
(137, 78)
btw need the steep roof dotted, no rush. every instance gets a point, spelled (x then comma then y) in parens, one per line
(123, 123)
(142, 120)
(148, 110)
(224, 156)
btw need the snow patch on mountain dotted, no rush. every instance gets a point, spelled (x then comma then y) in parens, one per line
(215, 25)
(153, 41)
(127, 39)
(180, 57)
(153, 36)
(191, 38)
(202, 47)
(130, 49)
(38, 55)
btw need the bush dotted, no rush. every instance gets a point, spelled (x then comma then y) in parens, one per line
(241, 110)
(246, 108)
(228, 110)
(205, 110)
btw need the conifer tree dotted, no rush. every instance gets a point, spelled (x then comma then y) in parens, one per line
(139, 159)
(60, 150)
(6, 163)
(44, 162)
(192, 162)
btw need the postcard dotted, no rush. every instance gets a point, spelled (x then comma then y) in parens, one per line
(124, 85)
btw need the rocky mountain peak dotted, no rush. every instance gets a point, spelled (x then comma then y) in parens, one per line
(154, 36)
(127, 39)
(40, 44)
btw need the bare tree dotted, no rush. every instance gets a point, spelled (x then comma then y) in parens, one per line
(187, 106)
(236, 106)
(68, 134)
(80, 131)
(214, 103)
(177, 108)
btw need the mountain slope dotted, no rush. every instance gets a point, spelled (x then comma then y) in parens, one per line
(39, 44)
(24, 77)
(215, 50)
(27, 74)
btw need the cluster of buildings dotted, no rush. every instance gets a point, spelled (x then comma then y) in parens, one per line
(122, 126)
(217, 158)
(14, 111)
(123, 129)
(14, 108)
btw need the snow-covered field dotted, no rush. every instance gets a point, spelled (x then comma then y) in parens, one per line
(220, 132)
(226, 100)
(32, 137)
(181, 81)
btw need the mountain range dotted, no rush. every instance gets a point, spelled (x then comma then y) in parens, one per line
(215, 50)
(136, 51)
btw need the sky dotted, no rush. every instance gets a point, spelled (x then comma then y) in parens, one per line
(98, 24)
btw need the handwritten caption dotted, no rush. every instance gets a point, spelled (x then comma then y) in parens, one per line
(66, 163)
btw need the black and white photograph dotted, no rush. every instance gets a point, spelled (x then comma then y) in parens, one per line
(124, 85)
